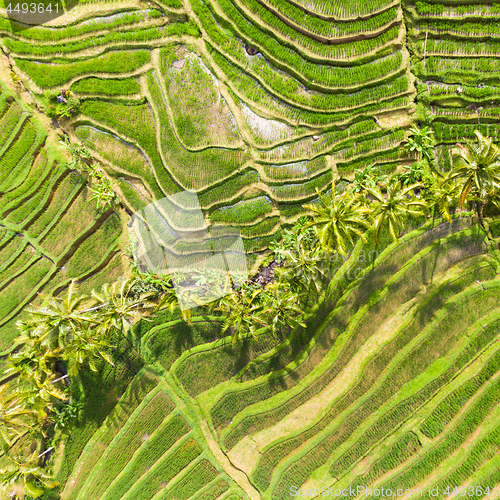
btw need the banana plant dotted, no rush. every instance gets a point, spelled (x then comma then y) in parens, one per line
(24, 476)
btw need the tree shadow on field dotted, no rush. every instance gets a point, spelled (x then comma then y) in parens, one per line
(439, 298)
(182, 337)
(374, 279)
(276, 383)
(242, 352)
(102, 389)
(429, 274)
(166, 345)
(99, 392)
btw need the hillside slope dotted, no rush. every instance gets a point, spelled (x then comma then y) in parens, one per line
(388, 391)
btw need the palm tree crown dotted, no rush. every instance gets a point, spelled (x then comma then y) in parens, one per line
(337, 219)
(14, 416)
(119, 307)
(20, 476)
(57, 320)
(282, 310)
(391, 208)
(477, 168)
(442, 195)
(242, 313)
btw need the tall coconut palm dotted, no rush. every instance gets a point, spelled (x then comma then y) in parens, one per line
(32, 362)
(303, 270)
(336, 220)
(40, 396)
(22, 474)
(58, 318)
(86, 348)
(15, 415)
(119, 307)
(393, 207)
(442, 195)
(169, 300)
(241, 311)
(477, 169)
(282, 310)
(494, 198)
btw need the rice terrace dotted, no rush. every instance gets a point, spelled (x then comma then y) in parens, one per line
(249, 249)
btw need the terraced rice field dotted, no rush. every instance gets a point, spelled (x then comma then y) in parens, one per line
(421, 324)
(256, 105)
(50, 233)
(454, 46)
(172, 98)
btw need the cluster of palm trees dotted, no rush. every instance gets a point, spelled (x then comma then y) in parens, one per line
(249, 308)
(101, 187)
(307, 255)
(253, 310)
(339, 219)
(77, 330)
(313, 247)
(374, 202)
(63, 333)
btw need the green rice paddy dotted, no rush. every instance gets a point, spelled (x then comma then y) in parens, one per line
(257, 105)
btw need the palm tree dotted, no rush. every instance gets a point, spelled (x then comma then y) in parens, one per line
(86, 347)
(282, 310)
(21, 476)
(302, 271)
(242, 313)
(442, 195)
(31, 362)
(15, 416)
(55, 322)
(494, 198)
(75, 329)
(392, 208)
(119, 307)
(169, 300)
(477, 168)
(40, 396)
(337, 220)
